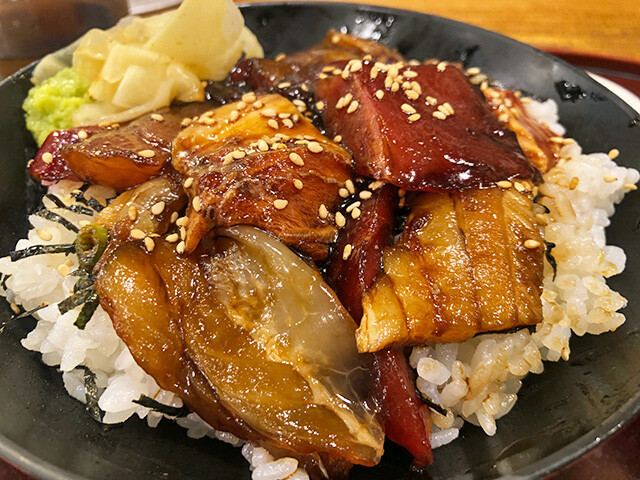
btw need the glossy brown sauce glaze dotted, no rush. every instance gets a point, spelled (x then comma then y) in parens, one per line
(420, 127)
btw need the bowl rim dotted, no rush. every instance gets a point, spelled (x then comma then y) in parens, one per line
(43, 469)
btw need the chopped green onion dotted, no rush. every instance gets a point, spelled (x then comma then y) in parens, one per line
(90, 245)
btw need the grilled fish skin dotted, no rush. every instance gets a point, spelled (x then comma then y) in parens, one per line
(467, 262)
(261, 186)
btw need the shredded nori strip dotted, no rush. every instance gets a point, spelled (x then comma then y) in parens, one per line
(3, 282)
(78, 298)
(86, 280)
(89, 202)
(92, 395)
(54, 217)
(161, 407)
(87, 311)
(41, 250)
(552, 261)
(74, 208)
(432, 405)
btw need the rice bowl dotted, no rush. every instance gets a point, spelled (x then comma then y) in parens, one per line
(69, 356)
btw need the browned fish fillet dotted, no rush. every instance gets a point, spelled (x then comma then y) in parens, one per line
(262, 163)
(467, 262)
(535, 138)
(122, 157)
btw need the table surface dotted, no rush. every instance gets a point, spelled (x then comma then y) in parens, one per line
(603, 28)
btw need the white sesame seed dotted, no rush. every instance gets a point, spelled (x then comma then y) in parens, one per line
(268, 112)
(340, 220)
(158, 208)
(320, 105)
(174, 217)
(531, 244)
(395, 87)
(322, 76)
(431, 100)
(441, 66)
(172, 238)
(64, 270)
(373, 186)
(287, 123)
(410, 74)
(149, 244)
(262, 145)
(183, 233)
(355, 213)
(365, 194)
(350, 186)
(353, 106)
(298, 184)
(238, 154)
(613, 153)
(180, 248)
(337, 138)
(353, 205)
(414, 118)
(273, 124)
(258, 104)
(44, 235)
(343, 192)
(315, 147)
(249, 97)
(347, 251)
(280, 203)
(227, 159)
(82, 134)
(610, 178)
(448, 108)
(379, 94)
(188, 182)
(137, 234)
(47, 157)
(296, 159)
(186, 122)
(439, 115)
(504, 184)
(406, 108)
(157, 117)
(630, 186)
(519, 187)
(197, 205)
(323, 212)
(233, 116)
(146, 153)
(412, 94)
(473, 71)
(15, 308)
(284, 84)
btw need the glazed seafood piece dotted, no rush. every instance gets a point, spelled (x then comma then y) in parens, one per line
(260, 162)
(287, 73)
(540, 145)
(242, 312)
(116, 156)
(467, 262)
(419, 127)
(406, 417)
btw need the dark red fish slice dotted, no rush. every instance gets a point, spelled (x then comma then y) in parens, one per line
(406, 417)
(434, 132)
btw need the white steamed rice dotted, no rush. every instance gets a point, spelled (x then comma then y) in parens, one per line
(476, 381)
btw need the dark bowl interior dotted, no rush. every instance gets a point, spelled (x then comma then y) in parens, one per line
(560, 414)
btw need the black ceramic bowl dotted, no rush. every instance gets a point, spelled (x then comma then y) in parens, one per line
(560, 414)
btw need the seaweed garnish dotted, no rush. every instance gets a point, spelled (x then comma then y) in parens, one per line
(92, 394)
(549, 256)
(76, 299)
(87, 310)
(73, 208)
(54, 217)
(65, 248)
(23, 314)
(433, 405)
(89, 202)
(156, 406)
